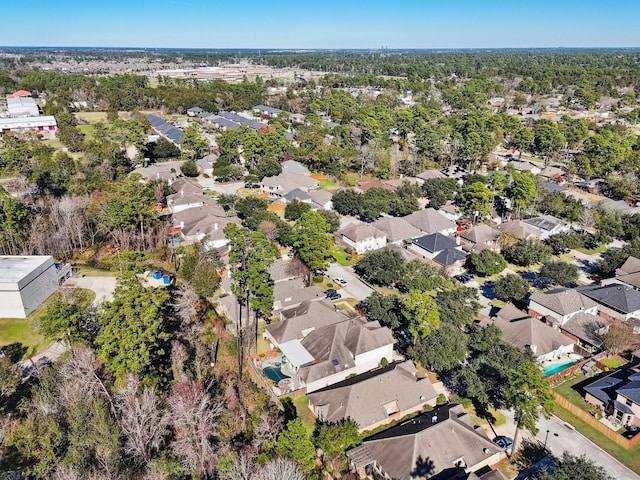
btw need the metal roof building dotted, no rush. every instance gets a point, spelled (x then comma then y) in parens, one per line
(165, 129)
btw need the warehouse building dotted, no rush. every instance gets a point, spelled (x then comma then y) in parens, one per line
(25, 283)
(22, 107)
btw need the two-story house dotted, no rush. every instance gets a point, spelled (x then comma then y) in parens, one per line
(362, 238)
(618, 395)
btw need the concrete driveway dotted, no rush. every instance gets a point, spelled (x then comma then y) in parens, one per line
(355, 287)
(102, 286)
(562, 437)
(223, 188)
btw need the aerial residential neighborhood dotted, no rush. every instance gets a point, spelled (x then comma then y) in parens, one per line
(259, 242)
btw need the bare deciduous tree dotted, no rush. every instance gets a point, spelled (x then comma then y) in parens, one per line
(140, 419)
(620, 338)
(280, 469)
(193, 416)
(243, 466)
(267, 430)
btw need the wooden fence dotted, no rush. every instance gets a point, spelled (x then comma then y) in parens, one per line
(593, 422)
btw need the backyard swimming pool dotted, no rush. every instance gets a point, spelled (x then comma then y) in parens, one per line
(274, 373)
(554, 368)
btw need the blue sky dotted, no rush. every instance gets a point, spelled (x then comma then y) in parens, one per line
(325, 24)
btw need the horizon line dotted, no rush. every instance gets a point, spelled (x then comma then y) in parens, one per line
(382, 48)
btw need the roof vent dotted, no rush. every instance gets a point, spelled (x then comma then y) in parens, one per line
(422, 398)
(434, 419)
(486, 450)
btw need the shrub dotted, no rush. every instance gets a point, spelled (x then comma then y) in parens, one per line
(441, 400)
(318, 279)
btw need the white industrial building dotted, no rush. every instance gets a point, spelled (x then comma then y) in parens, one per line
(25, 283)
(22, 107)
(43, 124)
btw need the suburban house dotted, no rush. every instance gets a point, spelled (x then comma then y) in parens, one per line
(291, 166)
(332, 353)
(575, 314)
(397, 229)
(451, 211)
(194, 111)
(182, 200)
(618, 395)
(442, 251)
(560, 304)
(168, 171)
(548, 225)
(362, 238)
(479, 237)
(196, 222)
(627, 274)
(441, 444)
(298, 322)
(374, 398)
(615, 301)
(430, 220)
(526, 332)
(430, 174)
(552, 173)
(363, 187)
(292, 293)
(205, 164)
(520, 230)
(280, 185)
(524, 166)
(321, 199)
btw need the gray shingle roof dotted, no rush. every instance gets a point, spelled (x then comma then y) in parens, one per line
(519, 229)
(631, 265)
(430, 443)
(397, 229)
(430, 220)
(606, 388)
(586, 327)
(358, 233)
(621, 298)
(527, 331)
(563, 301)
(363, 398)
(435, 242)
(304, 318)
(449, 256)
(291, 166)
(481, 233)
(334, 346)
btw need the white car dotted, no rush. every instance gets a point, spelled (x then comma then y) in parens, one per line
(340, 281)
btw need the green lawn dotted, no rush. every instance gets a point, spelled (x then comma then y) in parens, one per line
(572, 390)
(304, 412)
(94, 272)
(328, 184)
(22, 333)
(613, 362)
(342, 257)
(630, 457)
(593, 251)
(88, 131)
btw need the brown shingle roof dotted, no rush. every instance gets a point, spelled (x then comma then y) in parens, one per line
(563, 301)
(430, 221)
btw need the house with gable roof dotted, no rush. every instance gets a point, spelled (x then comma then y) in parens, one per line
(574, 313)
(618, 394)
(479, 237)
(441, 251)
(441, 444)
(362, 238)
(615, 301)
(374, 398)
(334, 352)
(627, 274)
(548, 225)
(430, 221)
(397, 229)
(291, 166)
(529, 333)
(280, 185)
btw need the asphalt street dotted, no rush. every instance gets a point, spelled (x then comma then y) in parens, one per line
(355, 287)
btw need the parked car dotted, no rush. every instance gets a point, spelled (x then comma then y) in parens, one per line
(330, 291)
(251, 185)
(340, 281)
(334, 296)
(464, 277)
(503, 443)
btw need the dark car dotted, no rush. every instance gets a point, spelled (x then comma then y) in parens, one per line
(503, 443)
(330, 291)
(251, 185)
(334, 296)
(464, 278)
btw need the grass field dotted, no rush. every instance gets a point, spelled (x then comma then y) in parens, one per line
(328, 185)
(572, 390)
(88, 131)
(22, 331)
(613, 362)
(304, 412)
